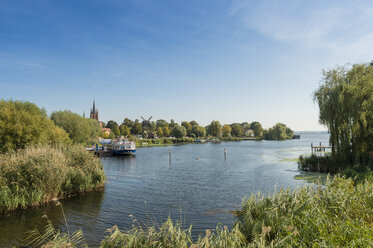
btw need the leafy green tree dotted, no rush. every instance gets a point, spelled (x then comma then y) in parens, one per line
(159, 132)
(346, 109)
(129, 123)
(188, 127)
(237, 130)
(116, 130)
(179, 131)
(257, 128)
(172, 123)
(112, 124)
(124, 130)
(166, 131)
(214, 129)
(201, 131)
(245, 126)
(226, 130)
(23, 124)
(194, 123)
(136, 128)
(279, 132)
(79, 129)
(161, 123)
(198, 131)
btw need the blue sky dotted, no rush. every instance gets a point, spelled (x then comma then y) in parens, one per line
(231, 61)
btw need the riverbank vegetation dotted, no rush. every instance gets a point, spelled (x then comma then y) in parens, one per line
(80, 130)
(40, 161)
(35, 175)
(23, 124)
(337, 213)
(345, 100)
(228, 132)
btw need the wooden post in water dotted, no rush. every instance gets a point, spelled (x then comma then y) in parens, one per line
(312, 148)
(169, 155)
(225, 154)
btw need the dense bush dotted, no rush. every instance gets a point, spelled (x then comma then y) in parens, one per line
(23, 124)
(334, 215)
(332, 164)
(278, 132)
(79, 129)
(35, 175)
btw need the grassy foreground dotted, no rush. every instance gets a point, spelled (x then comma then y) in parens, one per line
(336, 214)
(35, 175)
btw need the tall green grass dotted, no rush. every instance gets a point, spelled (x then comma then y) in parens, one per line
(35, 175)
(336, 214)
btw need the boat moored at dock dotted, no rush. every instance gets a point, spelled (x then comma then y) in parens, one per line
(123, 147)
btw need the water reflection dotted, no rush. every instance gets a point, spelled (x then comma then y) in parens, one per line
(199, 187)
(14, 228)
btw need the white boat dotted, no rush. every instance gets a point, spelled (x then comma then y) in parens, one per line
(123, 147)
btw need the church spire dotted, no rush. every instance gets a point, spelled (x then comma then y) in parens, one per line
(94, 111)
(94, 106)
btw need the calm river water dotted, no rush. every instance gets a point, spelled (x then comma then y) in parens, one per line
(199, 187)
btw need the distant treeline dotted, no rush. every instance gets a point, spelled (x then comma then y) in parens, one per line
(23, 123)
(162, 128)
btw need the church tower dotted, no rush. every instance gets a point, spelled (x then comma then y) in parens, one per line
(94, 112)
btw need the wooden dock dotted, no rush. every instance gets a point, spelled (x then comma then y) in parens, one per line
(319, 148)
(104, 153)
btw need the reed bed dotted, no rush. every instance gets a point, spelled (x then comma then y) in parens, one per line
(335, 214)
(35, 175)
(338, 213)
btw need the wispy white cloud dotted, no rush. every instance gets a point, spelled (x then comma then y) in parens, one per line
(21, 63)
(343, 30)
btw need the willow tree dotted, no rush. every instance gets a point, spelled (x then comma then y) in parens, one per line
(345, 100)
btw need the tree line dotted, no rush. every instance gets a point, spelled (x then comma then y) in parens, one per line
(23, 123)
(162, 128)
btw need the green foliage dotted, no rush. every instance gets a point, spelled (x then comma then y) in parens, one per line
(332, 215)
(166, 131)
(128, 122)
(136, 128)
(23, 124)
(345, 101)
(246, 126)
(188, 127)
(124, 130)
(278, 132)
(159, 132)
(336, 214)
(35, 175)
(237, 130)
(226, 130)
(79, 129)
(214, 129)
(161, 123)
(257, 128)
(162, 141)
(198, 131)
(194, 123)
(111, 124)
(116, 130)
(179, 131)
(170, 235)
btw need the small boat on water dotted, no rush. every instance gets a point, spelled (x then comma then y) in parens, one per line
(123, 147)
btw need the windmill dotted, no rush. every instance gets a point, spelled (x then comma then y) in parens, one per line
(146, 123)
